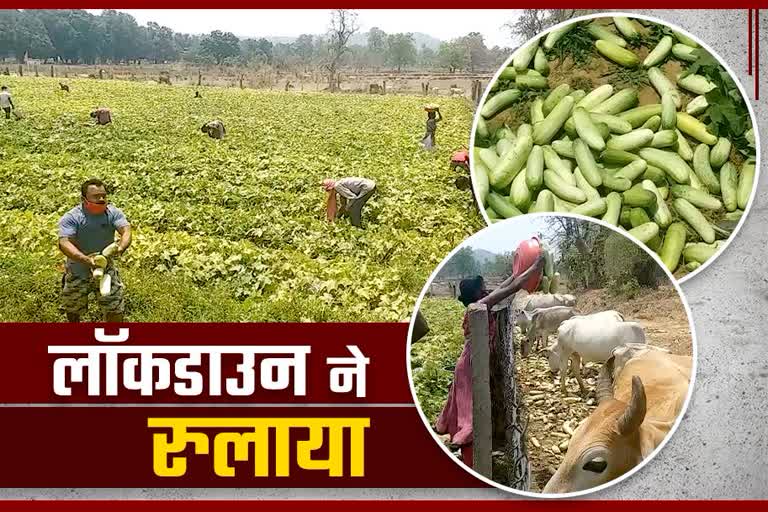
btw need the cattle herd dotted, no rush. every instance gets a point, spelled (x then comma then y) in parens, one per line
(640, 389)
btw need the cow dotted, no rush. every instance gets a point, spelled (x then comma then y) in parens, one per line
(638, 403)
(548, 300)
(567, 300)
(590, 338)
(522, 320)
(542, 323)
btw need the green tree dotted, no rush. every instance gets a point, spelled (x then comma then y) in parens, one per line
(427, 57)
(90, 36)
(31, 38)
(401, 50)
(377, 47)
(464, 262)
(8, 21)
(161, 43)
(220, 45)
(123, 38)
(452, 56)
(64, 38)
(475, 51)
(377, 40)
(257, 51)
(305, 49)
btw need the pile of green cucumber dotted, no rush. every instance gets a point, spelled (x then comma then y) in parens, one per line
(655, 170)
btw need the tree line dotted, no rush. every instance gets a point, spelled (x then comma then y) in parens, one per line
(591, 256)
(468, 262)
(78, 37)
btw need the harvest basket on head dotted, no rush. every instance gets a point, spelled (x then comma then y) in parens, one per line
(431, 107)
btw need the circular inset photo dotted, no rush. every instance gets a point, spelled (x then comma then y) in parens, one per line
(551, 355)
(629, 120)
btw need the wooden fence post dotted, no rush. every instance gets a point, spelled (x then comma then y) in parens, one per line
(21, 70)
(52, 73)
(199, 78)
(482, 426)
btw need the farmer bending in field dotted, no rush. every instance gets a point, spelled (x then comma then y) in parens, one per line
(84, 231)
(456, 416)
(433, 116)
(102, 115)
(354, 193)
(214, 129)
(6, 102)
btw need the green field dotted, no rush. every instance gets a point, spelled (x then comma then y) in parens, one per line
(434, 357)
(231, 230)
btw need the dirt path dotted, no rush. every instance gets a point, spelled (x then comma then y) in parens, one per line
(550, 416)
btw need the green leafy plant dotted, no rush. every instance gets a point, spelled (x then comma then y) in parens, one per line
(576, 44)
(626, 77)
(654, 33)
(434, 357)
(727, 114)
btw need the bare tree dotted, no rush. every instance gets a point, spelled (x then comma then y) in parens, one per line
(534, 21)
(342, 28)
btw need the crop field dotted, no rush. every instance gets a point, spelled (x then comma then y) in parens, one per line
(231, 230)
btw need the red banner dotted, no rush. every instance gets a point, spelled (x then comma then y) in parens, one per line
(117, 447)
(33, 351)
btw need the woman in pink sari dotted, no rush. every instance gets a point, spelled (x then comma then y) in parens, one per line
(456, 417)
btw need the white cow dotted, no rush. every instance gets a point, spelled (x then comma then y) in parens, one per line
(590, 338)
(542, 323)
(547, 300)
(567, 299)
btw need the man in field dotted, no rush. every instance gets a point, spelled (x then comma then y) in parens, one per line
(6, 102)
(102, 115)
(354, 193)
(84, 231)
(214, 129)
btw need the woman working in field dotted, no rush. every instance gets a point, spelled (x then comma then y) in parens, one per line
(456, 416)
(433, 116)
(354, 193)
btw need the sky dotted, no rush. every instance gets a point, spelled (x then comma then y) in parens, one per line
(504, 237)
(442, 24)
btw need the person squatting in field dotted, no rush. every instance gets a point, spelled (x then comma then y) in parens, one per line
(433, 116)
(354, 193)
(6, 102)
(85, 231)
(456, 417)
(214, 129)
(102, 115)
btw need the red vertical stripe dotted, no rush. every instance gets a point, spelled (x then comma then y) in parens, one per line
(749, 44)
(757, 55)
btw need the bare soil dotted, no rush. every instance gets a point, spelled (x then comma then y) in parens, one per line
(662, 314)
(353, 81)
